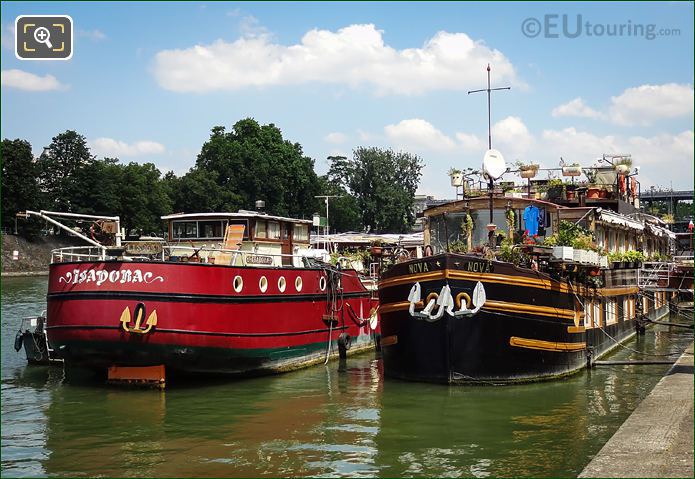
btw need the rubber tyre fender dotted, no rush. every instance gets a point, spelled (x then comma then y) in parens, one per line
(344, 342)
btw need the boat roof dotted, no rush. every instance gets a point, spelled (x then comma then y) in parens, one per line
(241, 214)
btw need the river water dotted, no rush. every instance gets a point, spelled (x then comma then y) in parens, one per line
(335, 420)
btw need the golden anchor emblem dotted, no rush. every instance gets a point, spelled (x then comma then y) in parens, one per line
(139, 316)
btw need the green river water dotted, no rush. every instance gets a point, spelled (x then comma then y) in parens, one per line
(335, 420)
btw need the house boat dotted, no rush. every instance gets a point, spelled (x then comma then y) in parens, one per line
(225, 293)
(541, 311)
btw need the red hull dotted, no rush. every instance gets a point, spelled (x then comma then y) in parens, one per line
(200, 317)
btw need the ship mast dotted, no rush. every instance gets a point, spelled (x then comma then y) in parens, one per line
(491, 182)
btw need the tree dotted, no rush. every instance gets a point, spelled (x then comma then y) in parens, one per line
(383, 183)
(344, 211)
(254, 162)
(143, 199)
(64, 171)
(19, 189)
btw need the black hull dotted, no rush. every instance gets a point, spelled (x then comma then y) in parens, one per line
(531, 328)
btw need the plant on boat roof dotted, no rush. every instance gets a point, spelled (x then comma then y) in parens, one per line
(623, 160)
(634, 256)
(510, 253)
(453, 171)
(525, 166)
(583, 241)
(568, 232)
(511, 220)
(458, 246)
(552, 182)
(615, 257)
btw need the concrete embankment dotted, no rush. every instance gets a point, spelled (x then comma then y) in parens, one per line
(657, 439)
(33, 257)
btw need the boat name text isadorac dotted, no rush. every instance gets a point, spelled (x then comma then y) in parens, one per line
(117, 276)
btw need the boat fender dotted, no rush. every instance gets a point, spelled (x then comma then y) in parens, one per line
(18, 341)
(344, 342)
(428, 251)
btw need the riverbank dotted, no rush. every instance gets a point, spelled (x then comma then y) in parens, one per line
(657, 439)
(33, 257)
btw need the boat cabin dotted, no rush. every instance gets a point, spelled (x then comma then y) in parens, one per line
(244, 238)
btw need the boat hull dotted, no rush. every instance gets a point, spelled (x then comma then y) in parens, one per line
(199, 318)
(532, 326)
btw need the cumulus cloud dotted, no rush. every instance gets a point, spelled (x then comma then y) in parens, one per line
(575, 107)
(418, 135)
(645, 104)
(511, 137)
(470, 142)
(335, 138)
(108, 147)
(22, 80)
(356, 56)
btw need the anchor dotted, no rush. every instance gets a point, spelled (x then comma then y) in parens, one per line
(446, 303)
(139, 315)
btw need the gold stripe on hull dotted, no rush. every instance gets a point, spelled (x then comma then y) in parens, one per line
(494, 306)
(546, 345)
(484, 277)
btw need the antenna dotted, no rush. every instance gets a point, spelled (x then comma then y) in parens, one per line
(489, 116)
(492, 157)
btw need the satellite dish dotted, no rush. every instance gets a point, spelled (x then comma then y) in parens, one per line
(493, 164)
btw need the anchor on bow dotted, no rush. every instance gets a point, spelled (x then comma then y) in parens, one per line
(446, 303)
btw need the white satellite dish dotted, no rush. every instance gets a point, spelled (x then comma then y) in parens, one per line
(493, 164)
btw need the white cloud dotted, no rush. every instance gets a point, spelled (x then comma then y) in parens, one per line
(663, 157)
(511, 137)
(94, 35)
(29, 82)
(470, 142)
(355, 56)
(575, 107)
(335, 138)
(418, 135)
(108, 147)
(645, 104)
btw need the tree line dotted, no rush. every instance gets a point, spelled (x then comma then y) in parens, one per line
(234, 168)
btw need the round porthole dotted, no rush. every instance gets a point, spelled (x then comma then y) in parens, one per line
(298, 284)
(238, 284)
(282, 284)
(263, 284)
(322, 283)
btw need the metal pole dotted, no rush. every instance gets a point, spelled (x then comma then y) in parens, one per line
(489, 115)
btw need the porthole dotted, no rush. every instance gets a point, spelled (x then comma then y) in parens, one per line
(263, 284)
(298, 283)
(282, 284)
(322, 283)
(238, 284)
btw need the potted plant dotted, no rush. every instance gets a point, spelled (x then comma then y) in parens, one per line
(572, 170)
(622, 165)
(527, 170)
(377, 247)
(570, 191)
(555, 188)
(456, 177)
(615, 259)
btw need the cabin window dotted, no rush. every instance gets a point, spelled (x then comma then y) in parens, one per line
(588, 320)
(481, 218)
(273, 230)
(211, 229)
(301, 232)
(260, 229)
(185, 229)
(597, 314)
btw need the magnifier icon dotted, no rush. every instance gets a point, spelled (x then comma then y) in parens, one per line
(42, 35)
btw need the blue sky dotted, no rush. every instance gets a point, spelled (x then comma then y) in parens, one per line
(147, 81)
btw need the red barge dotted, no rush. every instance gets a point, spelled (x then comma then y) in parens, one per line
(226, 293)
